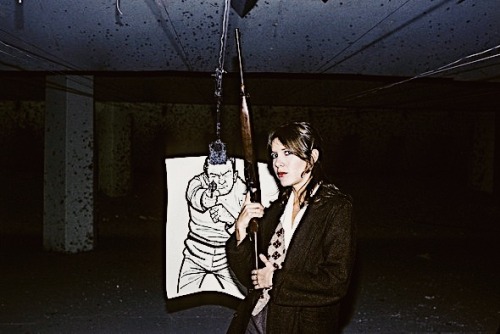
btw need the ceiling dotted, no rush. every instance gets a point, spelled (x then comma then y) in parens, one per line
(385, 37)
(405, 39)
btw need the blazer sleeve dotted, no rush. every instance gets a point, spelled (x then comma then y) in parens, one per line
(322, 272)
(240, 258)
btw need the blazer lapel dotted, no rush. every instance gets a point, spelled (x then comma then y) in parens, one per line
(309, 228)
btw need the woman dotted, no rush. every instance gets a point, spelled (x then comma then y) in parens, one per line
(297, 289)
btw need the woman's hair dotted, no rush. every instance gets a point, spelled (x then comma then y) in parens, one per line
(301, 138)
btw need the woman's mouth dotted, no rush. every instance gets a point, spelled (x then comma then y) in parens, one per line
(280, 174)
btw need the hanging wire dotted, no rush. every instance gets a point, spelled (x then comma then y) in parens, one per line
(37, 54)
(455, 64)
(118, 7)
(219, 71)
(217, 149)
(34, 54)
(179, 45)
(448, 67)
(327, 63)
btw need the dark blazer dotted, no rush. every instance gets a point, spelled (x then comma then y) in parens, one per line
(316, 272)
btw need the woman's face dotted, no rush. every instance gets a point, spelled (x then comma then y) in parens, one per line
(288, 168)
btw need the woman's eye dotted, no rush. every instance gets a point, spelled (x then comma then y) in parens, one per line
(274, 155)
(288, 152)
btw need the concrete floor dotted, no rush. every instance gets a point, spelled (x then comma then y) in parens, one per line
(428, 262)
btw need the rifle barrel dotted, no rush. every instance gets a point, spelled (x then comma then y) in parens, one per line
(251, 171)
(238, 47)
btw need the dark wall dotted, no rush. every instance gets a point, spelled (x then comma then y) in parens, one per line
(357, 141)
(427, 128)
(380, 142)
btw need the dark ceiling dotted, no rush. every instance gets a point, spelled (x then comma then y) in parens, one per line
(385, 37)
(447, 39)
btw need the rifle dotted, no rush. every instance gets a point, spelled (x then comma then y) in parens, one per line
(250, 162)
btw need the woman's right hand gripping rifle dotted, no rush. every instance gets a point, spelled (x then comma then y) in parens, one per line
(248, 211)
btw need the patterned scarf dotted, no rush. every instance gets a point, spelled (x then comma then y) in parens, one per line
(276, 255)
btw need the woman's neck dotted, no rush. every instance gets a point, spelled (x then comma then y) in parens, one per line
(299, 192)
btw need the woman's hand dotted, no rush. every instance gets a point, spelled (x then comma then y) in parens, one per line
(248, 211)
(263, 278)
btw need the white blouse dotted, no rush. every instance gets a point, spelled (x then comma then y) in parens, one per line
(286, 219)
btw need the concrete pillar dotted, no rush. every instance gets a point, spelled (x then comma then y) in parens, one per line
(68, 224)
(114, 131)
(483, 151)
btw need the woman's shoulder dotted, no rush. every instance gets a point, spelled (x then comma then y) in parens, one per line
(330, 193)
